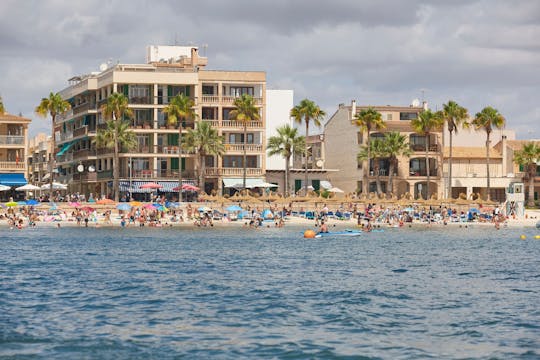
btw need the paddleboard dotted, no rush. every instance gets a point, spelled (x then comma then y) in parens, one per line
(340, 233)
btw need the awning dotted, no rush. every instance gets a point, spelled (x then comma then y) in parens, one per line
(64, 148)
(167, 186)
(250, 182)
(325, 184)
(13, 179)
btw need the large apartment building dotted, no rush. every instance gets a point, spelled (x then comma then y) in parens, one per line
(169, 71)
(343, 139)
(13, 144)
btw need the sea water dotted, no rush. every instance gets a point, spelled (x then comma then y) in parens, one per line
(229, 293)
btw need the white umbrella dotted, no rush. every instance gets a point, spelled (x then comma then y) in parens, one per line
(56, 186)
(264, 185)
(27, 187)
(4, 187)
(335, 190)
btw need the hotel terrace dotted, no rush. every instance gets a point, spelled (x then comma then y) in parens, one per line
(169, 71)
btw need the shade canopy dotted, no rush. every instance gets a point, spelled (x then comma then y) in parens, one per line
(4, 188)
(151, 185)
(56, 186)
(28, 187)
(335, 190)
(12, 179)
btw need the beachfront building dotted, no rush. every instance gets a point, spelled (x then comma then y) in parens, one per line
(39, 154)
(13, 145)
(168, 71)
(343, 140)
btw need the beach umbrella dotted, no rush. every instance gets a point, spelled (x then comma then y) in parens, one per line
(408, 209)
(149, 206)
(105, 202)
(12, 204)
(136, 203)
(335, 190)
(4, 188)
(87, 208)
(28, 187)
(123, 206)
(187, 187)
(204, 209)
(233, 208)
(21, 203)
(474, 211)
(150, 185)
(32, 202)
(56, 186)
(173, 205)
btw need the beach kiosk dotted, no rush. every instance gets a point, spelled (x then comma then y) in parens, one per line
(515, 200)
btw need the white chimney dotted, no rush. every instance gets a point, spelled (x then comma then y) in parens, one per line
(425, 105)
(353, 109)
(504, 155)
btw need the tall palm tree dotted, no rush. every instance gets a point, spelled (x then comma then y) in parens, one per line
(54, 105)
(179, 109)
(2, 108)
(203, 140)
(528, 157)
(455, 116)
(287, 143)
(395, 145)
(305, 112)
(116, 110)
(375, 151)
(487, 119)
(367, 120)
(117, 136)
(427, 122)
(245, 112)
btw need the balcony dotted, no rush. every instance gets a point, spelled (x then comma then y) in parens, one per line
(233, 171)
(85, 177)
(210, 99)
(157, 174)
(12, 165)
(11, 140)
(423, 172)
(213, 123)
(228, 100)
(240, 147)
(239, 124)
(422, 147)
(145, 100)
(83, 154)
(80, 131)
(79, 109)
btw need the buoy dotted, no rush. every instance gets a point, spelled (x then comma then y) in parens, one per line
(309, 234)
(522, 237)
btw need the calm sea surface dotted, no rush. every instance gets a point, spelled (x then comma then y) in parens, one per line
(236, 293)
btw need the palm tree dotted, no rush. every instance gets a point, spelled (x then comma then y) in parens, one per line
(286, 144)
(528, 157)
(245, 112)
(203, 140)
(2, 108)
(455, 117)
(53, 105)
(376, 150)
(305, 112)
(116, 136)
(487, 119)
(179, 109)
(395, 145)
(367, 120)
(116, 111)
(427, 122)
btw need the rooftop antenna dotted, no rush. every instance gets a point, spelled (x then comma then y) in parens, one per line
(423, 90)
(205, 46)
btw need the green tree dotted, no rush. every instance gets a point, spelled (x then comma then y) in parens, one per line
(245, 112)
(375, 151)
(395, 145)
(2, 108)
(204, 140)
(116, 112)
(528, 157)
(54, 105)
(487, 119)
(427, 122)
(368, 120)
(305, 112)
(285, 144)
(455, 116)
(180, 108)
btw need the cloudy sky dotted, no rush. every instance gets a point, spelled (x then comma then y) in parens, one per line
(476, 52)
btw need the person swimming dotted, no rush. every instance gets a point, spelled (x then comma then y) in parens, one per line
(323, 228)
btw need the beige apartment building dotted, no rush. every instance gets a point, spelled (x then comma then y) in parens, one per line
(13, 144)
(169, 71)
(343, 140)
(39, 155)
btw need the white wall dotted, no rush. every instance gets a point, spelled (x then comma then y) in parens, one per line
(476, 138)
(155, 53)
(278, 107)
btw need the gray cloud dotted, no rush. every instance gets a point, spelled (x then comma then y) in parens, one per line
(477, 52)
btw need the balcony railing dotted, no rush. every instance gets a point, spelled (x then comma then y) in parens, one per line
(83, 154)
(85, 177)
(240, 147)
(230, 100)
(83, 107)
(432, 172)
(11, 140)
(422, 147)
(213, 123)
(233, 171)
(216, 99)
(157, 174)
(11, 165)
(81, 131)
(239, 124)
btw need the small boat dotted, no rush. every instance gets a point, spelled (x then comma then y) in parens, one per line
(340, 233)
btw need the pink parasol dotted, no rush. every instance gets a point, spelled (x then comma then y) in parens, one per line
(187, 187)
(151, 185)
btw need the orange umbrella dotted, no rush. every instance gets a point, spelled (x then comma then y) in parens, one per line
(105, 202)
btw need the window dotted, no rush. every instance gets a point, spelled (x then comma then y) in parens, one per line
(209, 161)
(207, 90)
(208, 113)
(240, 90)
(139, 91)
(226, 112)
(408, 116)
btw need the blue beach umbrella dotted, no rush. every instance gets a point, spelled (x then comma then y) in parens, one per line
(21, 203)
(123, 206)
(32, 202)
(171, 204)
(233, 208)
(474, 211)
(409, 209)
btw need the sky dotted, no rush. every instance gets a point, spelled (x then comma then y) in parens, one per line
(385, 52)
